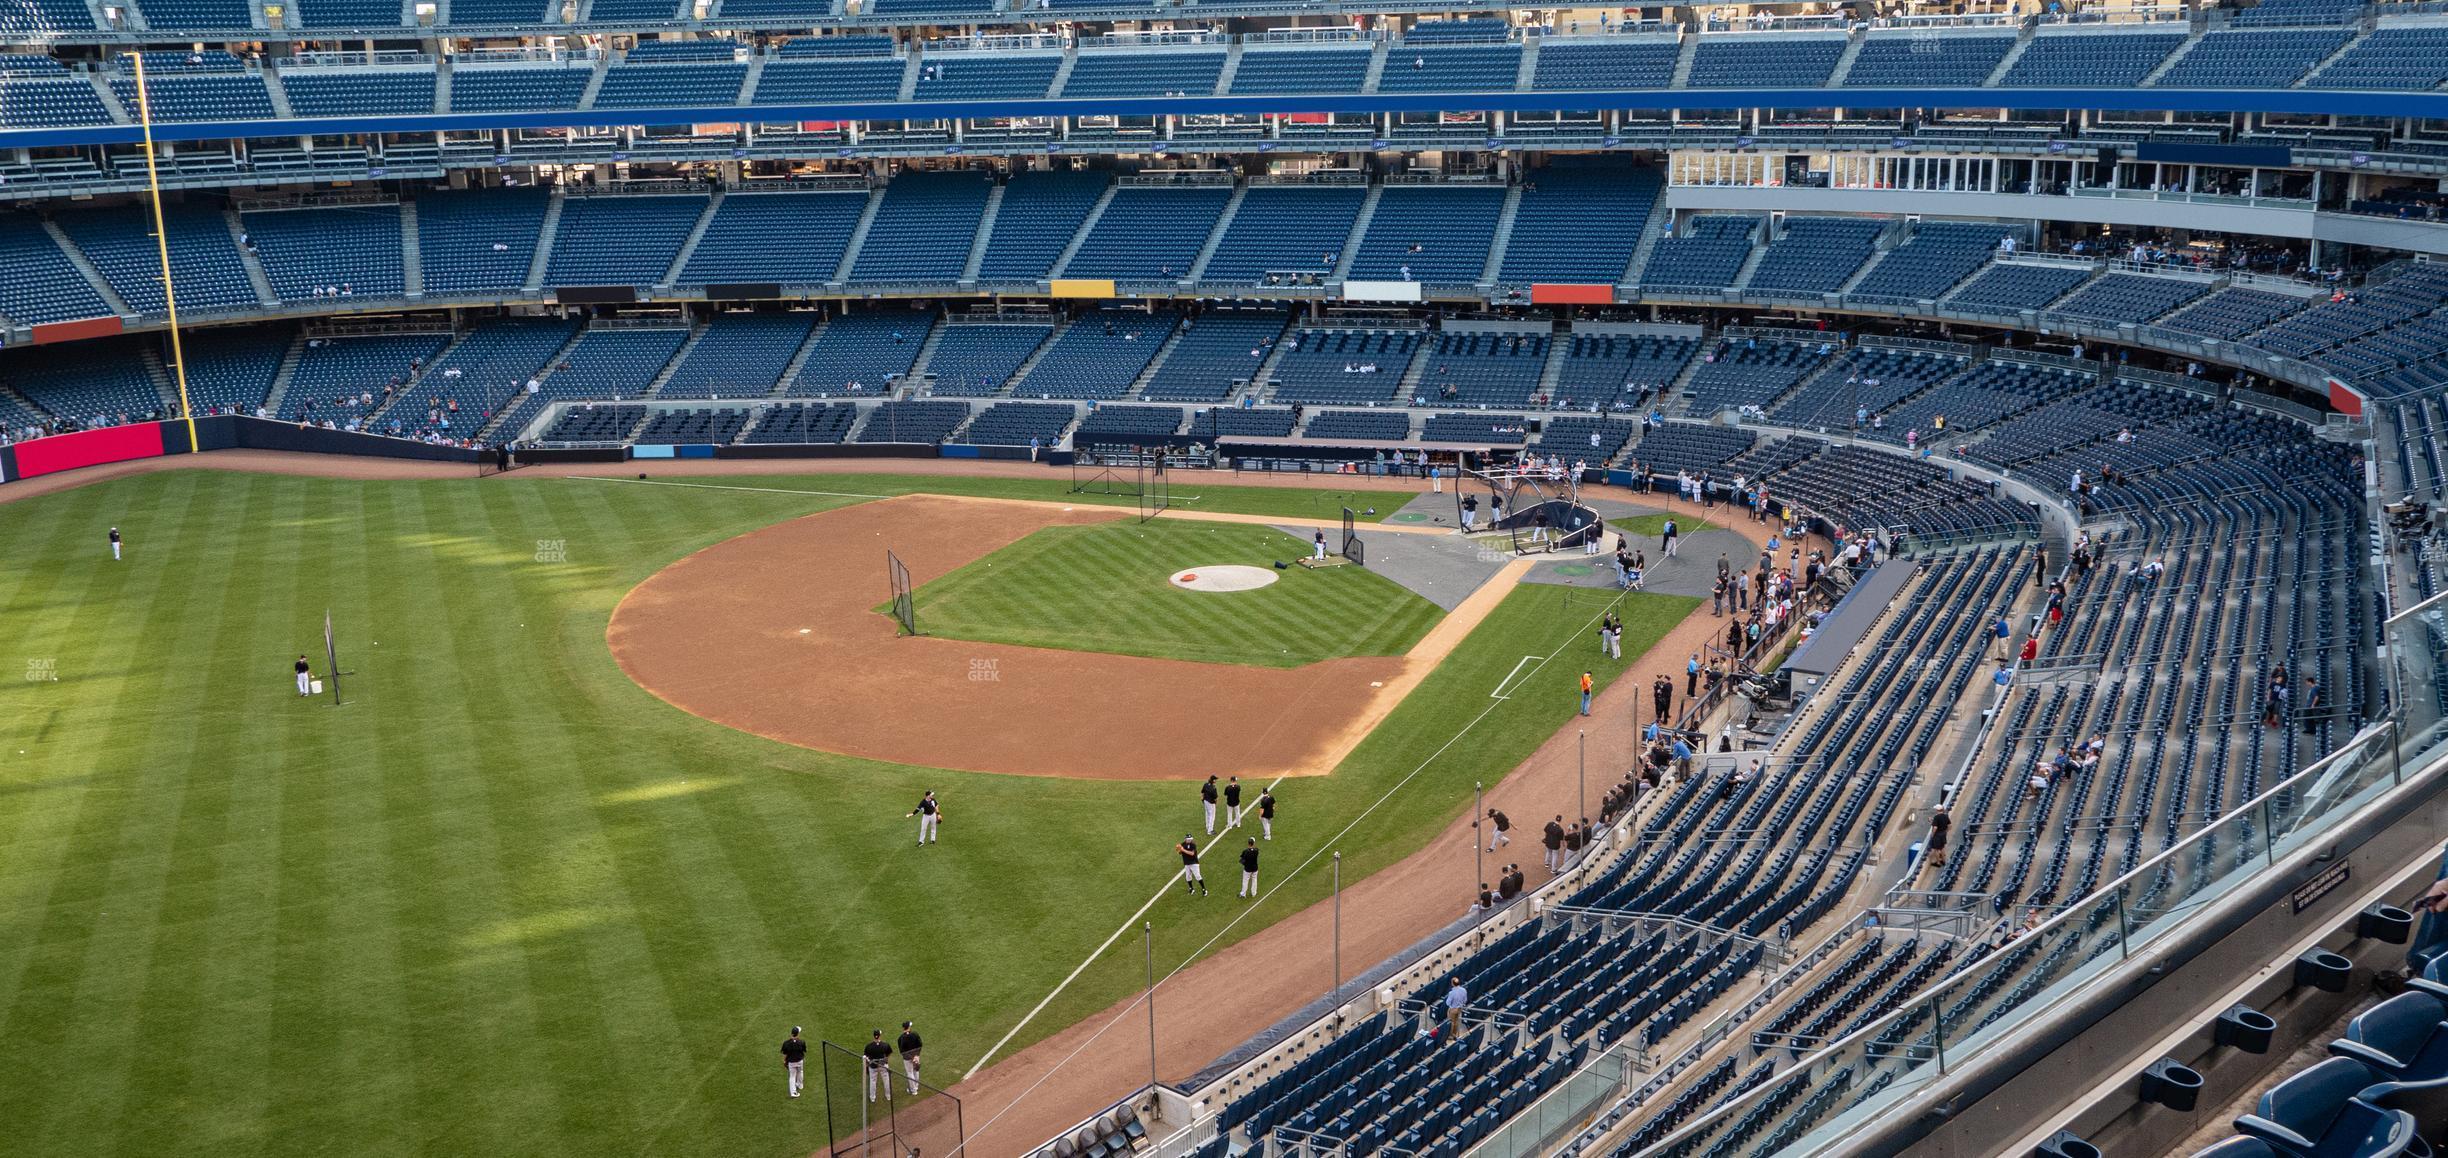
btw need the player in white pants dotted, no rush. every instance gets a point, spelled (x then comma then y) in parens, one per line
(114, 537)
(1266, 813)
(1191, 880)
(305, 674)
(794, 1061)
(928, 813)
(1232, 803)
(879, 1066)
(1249, 869)
(1207, 798)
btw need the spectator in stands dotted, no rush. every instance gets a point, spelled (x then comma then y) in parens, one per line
(2310, 711)
(1456, 1000)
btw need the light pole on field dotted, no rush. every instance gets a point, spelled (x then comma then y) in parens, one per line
(1584, 774)
(1147, 932)
(1338, 927)
(1478, 850)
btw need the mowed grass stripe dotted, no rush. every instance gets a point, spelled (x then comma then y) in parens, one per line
(1107, 588)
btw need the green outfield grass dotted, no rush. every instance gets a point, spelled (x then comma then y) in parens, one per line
(1188, 491)
(1107, 588)
(506, 902)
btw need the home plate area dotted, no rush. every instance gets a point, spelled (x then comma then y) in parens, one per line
(1223, 577)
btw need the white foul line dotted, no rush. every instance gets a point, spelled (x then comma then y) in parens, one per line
(1502, 684)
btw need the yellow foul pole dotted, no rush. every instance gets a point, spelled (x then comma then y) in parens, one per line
(161, 240)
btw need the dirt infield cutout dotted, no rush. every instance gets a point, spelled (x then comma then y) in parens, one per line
(1223, 577)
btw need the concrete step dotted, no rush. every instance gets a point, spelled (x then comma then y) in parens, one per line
(858, 236)
(279, 394)
(1504, 237)
(246, 258)
(544, 242)
(696, 234)
(697, 333)
(1215, 237)
(1087, 224)
(412, 257)
(985, 229)
(1359, 229)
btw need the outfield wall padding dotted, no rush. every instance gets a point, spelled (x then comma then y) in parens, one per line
(533, 457)
(60, 452)
(265, 434)
(831, 450)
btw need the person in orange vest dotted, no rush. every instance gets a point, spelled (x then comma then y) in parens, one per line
(1587, 684)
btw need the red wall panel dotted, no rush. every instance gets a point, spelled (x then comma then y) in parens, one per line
(1576, 295)
(89, 448)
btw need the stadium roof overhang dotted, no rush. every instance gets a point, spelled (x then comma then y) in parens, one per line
(2432, 105)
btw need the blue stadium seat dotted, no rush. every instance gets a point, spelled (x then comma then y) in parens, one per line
(620, 239)
(480, 241)
(740, 355)
(356, 248)
(1098, 355)
(1926, 59)
(872, 351)
(1041, 211)
(203, 256)
(2316, 1113)
(1748, 60)
(1333, 69)
(1613, 62)
(1442, 233)
(986, 75)
(1149, 233)
(2253, 58)
(1413, 66)
(738, 242)
(42, 284)
(1152, 72)
(978, 360)
(513, 88)
(1284, 229)
(2069, 58)
(359, 92)
(924, 228)
(1579, 221)
(1217, 350)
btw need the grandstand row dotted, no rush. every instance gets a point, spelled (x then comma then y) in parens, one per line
(2103, 350)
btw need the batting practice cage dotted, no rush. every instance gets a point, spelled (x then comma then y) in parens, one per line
(1139, 472)
(904, 604)
(1536, 509)
(873, 1114)
(1353, 548)
(493, 460)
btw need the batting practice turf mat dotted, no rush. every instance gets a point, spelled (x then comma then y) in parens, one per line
(502, 900)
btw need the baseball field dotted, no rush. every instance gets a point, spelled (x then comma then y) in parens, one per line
(607, 806)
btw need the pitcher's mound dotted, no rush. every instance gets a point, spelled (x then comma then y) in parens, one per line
(1226, 577)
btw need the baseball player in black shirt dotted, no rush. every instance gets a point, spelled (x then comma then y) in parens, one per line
(114, 544)
(1207, 797)
(879, 1065)
(305, 677)
(1232, 803)
(794, 1060)
(927, 812)
(1249, 869)
(1502, 824)
(1266, 812)
(910, 1044)
(1191, 879)
(1554, 840)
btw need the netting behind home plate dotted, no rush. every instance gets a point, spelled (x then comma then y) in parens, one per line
(894, 1123)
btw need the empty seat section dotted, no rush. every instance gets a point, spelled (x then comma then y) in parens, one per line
(41, 102)
(1358, 426)
(948, 9)
(481, 12)
(2005, 288)
(355, 92)
(1481, 429)
(847, 44)
(739, 356)
(2130, 297)
(42, 285)
(1283, 231)
(1415, 67)
(498, 89)
(738, 245)
(1481, 369)
(1578, 223)
(1614, 63)
(1754, 61)
(44, 17)
(1433, 234)
(861, 354)
(974, 360)
(231, 371)
(817, 423)
(1938, 255)
(1816, 254)
(1019, 424)
(1704, 254)
(1144, 73)
(716, 425)
(986, 76)
(356, 248)
(1343, 366)
(865, 78)
(1749, 372)
(2090, 59)
(1865, 378)
(193, 14)
(912, 420)
(1218, 350)
(612, 364)
(93, 383)
(488, 368)
(619, 239)
(481, 241)
(203, 256)
(633, 11)
(646, 86)
(347, 13)
(1125, 426)
(1040, 214)
(199, 97)
(592, 423)
(1897, 60)
(924, 228)
(1617, 369)
(2252, 58)
(2406, 59)
(1149, 232)
(1098, 355)
(1244, 422)
(1291, 70)
(2232, 313)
